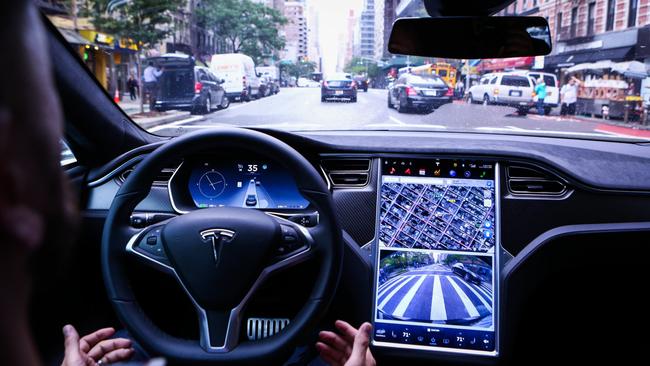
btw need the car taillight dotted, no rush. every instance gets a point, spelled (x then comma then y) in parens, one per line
(198, 87)
(325, 84)
(243, 81)
(449, 93)
(411, 91)
(353, 85)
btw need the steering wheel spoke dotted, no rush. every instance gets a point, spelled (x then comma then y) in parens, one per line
(219, 329)
(294, 246)
(147, 247)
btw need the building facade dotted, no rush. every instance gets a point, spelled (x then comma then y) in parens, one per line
(295, 31)
(590, 30)
(367, 30)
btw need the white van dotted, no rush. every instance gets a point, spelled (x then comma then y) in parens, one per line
(238, 70)
(552, 99)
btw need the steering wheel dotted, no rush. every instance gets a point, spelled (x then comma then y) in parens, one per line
(220, 256)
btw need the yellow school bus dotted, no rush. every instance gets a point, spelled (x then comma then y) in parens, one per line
(442, 69)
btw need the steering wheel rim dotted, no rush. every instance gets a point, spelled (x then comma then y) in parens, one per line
(325, 246)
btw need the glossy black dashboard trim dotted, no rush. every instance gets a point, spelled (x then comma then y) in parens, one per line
(506, 149)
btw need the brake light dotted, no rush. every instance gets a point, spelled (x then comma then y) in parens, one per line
(353, 85)
(411, 91)
(198, 87)
(449, 93)
(243, 81)
(325, 84)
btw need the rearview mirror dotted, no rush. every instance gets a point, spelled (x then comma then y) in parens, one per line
(471, 37)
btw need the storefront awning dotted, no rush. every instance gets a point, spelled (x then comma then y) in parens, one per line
(495, 64)
(73, 37)
(575, 58)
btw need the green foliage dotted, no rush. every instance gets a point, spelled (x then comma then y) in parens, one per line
(145, 21)
(358, 66)
(248, 27)
(298, 69)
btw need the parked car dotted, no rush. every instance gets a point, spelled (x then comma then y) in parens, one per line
(510, 89)
(185, 86)
(238, 70)
(362, 82)
(469, 276)
(307, 83)
(338, 86)
(419, 92)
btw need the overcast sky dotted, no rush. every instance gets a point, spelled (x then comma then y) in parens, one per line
(332, 21)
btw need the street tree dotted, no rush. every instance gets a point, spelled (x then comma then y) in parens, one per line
(145, 22)
(248, 27)
(358, 65)
(301, 68)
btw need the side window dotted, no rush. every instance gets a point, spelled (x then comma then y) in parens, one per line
(485, 81)
(494, 81)
(67, 157)
(515, 81)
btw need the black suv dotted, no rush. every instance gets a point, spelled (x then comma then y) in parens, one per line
(185, 86)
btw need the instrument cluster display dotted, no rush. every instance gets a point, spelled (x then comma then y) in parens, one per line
(246, 183)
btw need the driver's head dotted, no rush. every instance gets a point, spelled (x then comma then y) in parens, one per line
(36, 213)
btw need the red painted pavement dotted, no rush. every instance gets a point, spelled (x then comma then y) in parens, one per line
(627, 131)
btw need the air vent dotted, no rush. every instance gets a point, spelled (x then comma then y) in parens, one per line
(161, 179)
(347, 172)
(534, 181)
(346, 164)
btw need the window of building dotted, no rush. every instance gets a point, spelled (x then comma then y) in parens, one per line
(631, 16)
(574, 21)
(558, 25)
(611, 12)
(591, 10)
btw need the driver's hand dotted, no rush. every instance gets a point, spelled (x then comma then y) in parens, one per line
(95, 348)
(348, 347)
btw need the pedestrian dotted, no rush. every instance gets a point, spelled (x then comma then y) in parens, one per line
(540, 94)
(132, 85)
(569, 95)
(151, 75)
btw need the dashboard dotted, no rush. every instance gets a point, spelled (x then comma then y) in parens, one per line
(537, 190)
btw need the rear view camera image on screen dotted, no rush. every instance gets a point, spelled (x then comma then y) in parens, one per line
(435, 264)
(442, 288)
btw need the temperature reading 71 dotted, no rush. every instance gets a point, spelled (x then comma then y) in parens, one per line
(252, 168)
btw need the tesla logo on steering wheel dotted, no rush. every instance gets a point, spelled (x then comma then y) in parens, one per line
(217, 237)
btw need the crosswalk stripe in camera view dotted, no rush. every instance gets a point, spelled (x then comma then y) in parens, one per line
(434, 297)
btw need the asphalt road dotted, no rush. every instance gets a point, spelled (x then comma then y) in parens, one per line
(301, 109)
(434, 293)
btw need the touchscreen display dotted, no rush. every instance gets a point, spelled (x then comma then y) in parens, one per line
(435, 261)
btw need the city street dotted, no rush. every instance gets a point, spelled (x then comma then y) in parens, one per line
(434, 293)
(301, 109)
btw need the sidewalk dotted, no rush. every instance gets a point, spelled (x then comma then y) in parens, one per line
(615, 127)
(149, 119)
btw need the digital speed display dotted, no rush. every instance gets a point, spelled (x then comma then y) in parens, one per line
(249, 184)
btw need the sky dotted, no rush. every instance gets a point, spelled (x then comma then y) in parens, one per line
(332, 19)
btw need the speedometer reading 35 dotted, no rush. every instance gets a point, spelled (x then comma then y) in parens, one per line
(212, 184)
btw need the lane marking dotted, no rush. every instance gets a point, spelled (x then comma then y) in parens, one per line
(396, 120)
(484, 291)
(438, 311)
(389, 284)
(469, 306)
(174, 124)
(471, 287)
(406, 300)
(419, 125)
(392, 293)
(385, 290)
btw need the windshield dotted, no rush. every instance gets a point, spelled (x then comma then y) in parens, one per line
(175, 66)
